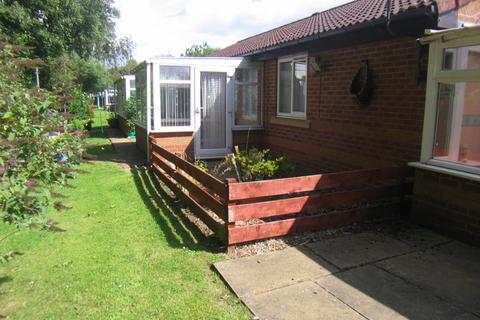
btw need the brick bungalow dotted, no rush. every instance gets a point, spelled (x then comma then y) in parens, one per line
(347, 88)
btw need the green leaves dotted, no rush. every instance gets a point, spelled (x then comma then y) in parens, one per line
(7, 115)
(35, 150)
(255, 164)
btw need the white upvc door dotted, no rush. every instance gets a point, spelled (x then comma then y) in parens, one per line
(213, 107)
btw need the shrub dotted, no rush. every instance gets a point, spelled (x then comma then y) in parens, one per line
(131, 113)
(255, 165)
(36, 148)
(202, 165)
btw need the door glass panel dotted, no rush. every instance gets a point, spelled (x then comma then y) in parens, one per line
(213, 110)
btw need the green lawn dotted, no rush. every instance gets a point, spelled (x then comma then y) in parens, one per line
(125, 254)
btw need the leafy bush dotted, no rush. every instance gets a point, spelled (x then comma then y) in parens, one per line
(131, 113)
(202, 165)
(80, 105)
(36, 148)
(255, 165)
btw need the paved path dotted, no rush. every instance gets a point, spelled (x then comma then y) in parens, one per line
(414, 275)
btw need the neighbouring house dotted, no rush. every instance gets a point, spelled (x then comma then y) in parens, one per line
(105, 99)
(348, 88)
(124, 89)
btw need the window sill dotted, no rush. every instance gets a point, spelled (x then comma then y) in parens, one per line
(437, 169)
(292, 122)
(247, 128)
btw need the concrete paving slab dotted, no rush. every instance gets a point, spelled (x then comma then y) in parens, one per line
(450, 271)
(376, 294)
(305, 301)
(420, 238)
(358, 249)
(257, 274)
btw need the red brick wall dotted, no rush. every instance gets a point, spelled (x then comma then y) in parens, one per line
(341, 135)
(254, 137)
(179, 143)
(122, 124)
(141, 138)
(447, 204)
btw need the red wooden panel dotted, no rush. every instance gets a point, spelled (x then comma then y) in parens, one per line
(218, 228)
(258, 189)
(206, 179)
(310, 203)
(249, 233)
(200, 195)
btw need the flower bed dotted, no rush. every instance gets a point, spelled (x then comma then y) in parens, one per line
(240, 212)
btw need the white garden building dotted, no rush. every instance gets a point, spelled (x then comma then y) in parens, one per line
(197, 104)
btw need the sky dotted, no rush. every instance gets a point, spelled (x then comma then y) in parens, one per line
(168, 27)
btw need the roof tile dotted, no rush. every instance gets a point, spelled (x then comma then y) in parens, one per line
(349, 14)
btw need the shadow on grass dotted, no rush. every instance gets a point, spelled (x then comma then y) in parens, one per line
(98, 142)
(179, 231)
(5, 279)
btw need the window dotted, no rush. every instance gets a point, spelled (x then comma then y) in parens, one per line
(292, 87)
(248, 111)
(452, 112)
(175, 96)
(132, 87)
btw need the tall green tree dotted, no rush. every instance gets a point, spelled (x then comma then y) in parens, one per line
(127, 68)
(55, 27)
(199, 50)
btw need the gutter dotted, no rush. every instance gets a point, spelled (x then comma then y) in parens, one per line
(430, 12)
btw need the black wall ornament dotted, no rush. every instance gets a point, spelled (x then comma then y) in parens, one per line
(361, 86)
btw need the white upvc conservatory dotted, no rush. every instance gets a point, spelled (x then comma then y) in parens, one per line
(124, 89)
(208, 97)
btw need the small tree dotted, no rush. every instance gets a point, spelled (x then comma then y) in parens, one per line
(199, 50)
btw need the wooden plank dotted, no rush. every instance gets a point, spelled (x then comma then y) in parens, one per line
(206, 179)
(249, 233)
(311, 203)
(197, 192)
(158, 160)
(200, 212)
(258, 189)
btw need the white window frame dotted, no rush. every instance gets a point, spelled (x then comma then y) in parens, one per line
(156, 83)
(292, 114)
(259, 84)
(436, 76)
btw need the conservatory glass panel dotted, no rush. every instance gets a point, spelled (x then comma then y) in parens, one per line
(458, 124)
(247, 97)
(247, 105)
(175, 73)
(461, 58)
(175, 105)
(141, 96)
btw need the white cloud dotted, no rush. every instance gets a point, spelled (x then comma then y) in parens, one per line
(171, 26)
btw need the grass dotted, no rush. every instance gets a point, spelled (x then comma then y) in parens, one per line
(126, 254)
(97, 142)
